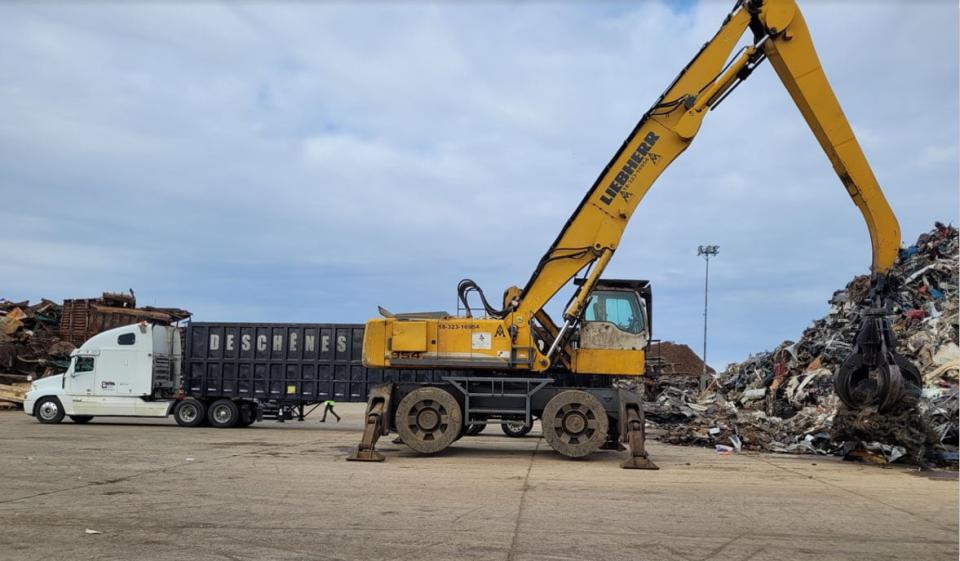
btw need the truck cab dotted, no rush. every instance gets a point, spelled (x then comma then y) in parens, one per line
(128, 371)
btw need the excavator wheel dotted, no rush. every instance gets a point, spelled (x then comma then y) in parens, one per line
(574, 423)
(428, 419)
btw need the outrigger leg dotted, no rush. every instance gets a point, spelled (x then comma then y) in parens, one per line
(633, 432)
(377, 425)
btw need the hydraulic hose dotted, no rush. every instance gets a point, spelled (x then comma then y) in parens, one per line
(467, 286)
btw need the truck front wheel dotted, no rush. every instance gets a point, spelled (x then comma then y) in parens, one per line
(223, 414)
(49, 411)
(190, 413)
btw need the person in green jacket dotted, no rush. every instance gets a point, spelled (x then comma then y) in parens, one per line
(328, 407)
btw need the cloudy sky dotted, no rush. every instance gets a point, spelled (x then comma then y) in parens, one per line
(307, 163)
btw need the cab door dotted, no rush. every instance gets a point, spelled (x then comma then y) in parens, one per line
(613, 334)
(81, 384)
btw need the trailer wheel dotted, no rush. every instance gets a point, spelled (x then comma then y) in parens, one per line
(81, 419)
(574, 423)
(428, 419)
(223, 414)
(190, 413)
(48, 410)
(475, 429)
(516, 429)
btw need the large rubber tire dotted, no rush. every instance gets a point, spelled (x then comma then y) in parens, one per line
(516, 430)
(223, 414)
(428, 419)
(81, 419)
(574, 423)
(48, 410)
(190, 413)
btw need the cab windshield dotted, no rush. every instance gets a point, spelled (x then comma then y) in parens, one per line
(621, 308)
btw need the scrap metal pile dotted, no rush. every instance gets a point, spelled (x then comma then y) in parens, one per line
(30, 346)
(783, 400)
(36, 340)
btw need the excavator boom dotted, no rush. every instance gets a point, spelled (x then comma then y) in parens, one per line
(605, 327)
(521, 336)
(780, 34)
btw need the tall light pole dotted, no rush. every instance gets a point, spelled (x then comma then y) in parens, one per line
(706, 251)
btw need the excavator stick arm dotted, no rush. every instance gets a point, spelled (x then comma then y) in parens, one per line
(791, 52)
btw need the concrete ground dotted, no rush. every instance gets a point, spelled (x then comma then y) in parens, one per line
(156, 491)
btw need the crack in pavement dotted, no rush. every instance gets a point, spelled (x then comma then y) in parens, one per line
(523, 501)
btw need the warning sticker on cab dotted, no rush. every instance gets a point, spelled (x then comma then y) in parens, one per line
(481, 341)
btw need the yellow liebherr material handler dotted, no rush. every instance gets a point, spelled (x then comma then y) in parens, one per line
(516, 363)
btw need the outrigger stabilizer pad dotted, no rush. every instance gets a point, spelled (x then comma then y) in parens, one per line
(378, 406)
(365, 456)
(634, 434)
(638, 462)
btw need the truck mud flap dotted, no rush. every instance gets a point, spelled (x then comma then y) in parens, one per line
(376, 424)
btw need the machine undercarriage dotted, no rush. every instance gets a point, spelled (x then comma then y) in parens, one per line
(577, 420)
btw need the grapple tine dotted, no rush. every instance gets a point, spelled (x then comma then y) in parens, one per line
(874, 374)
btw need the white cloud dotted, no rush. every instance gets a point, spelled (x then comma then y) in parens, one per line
(309, 162)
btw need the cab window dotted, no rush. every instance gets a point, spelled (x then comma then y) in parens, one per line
(127, 339)
(84, 364)
(620, 308)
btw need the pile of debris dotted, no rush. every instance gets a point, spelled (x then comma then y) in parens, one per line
(30, 346)
(667, 358)
(783, 400)
(36, 340)
(83, 318)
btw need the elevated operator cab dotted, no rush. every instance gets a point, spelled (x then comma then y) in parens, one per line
(615, 328)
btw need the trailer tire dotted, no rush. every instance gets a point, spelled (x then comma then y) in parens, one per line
(81, 419)
(48, 410)
(475, 429)
(190, 413)
(516, 429)
(223, 414)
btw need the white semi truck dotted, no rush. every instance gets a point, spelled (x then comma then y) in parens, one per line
(131, 371)
(229, 374)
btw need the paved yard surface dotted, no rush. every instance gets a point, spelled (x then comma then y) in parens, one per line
(157, 491)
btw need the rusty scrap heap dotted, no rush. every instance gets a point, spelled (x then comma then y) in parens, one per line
(36, 340)
(783, 400)
(30, 344)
